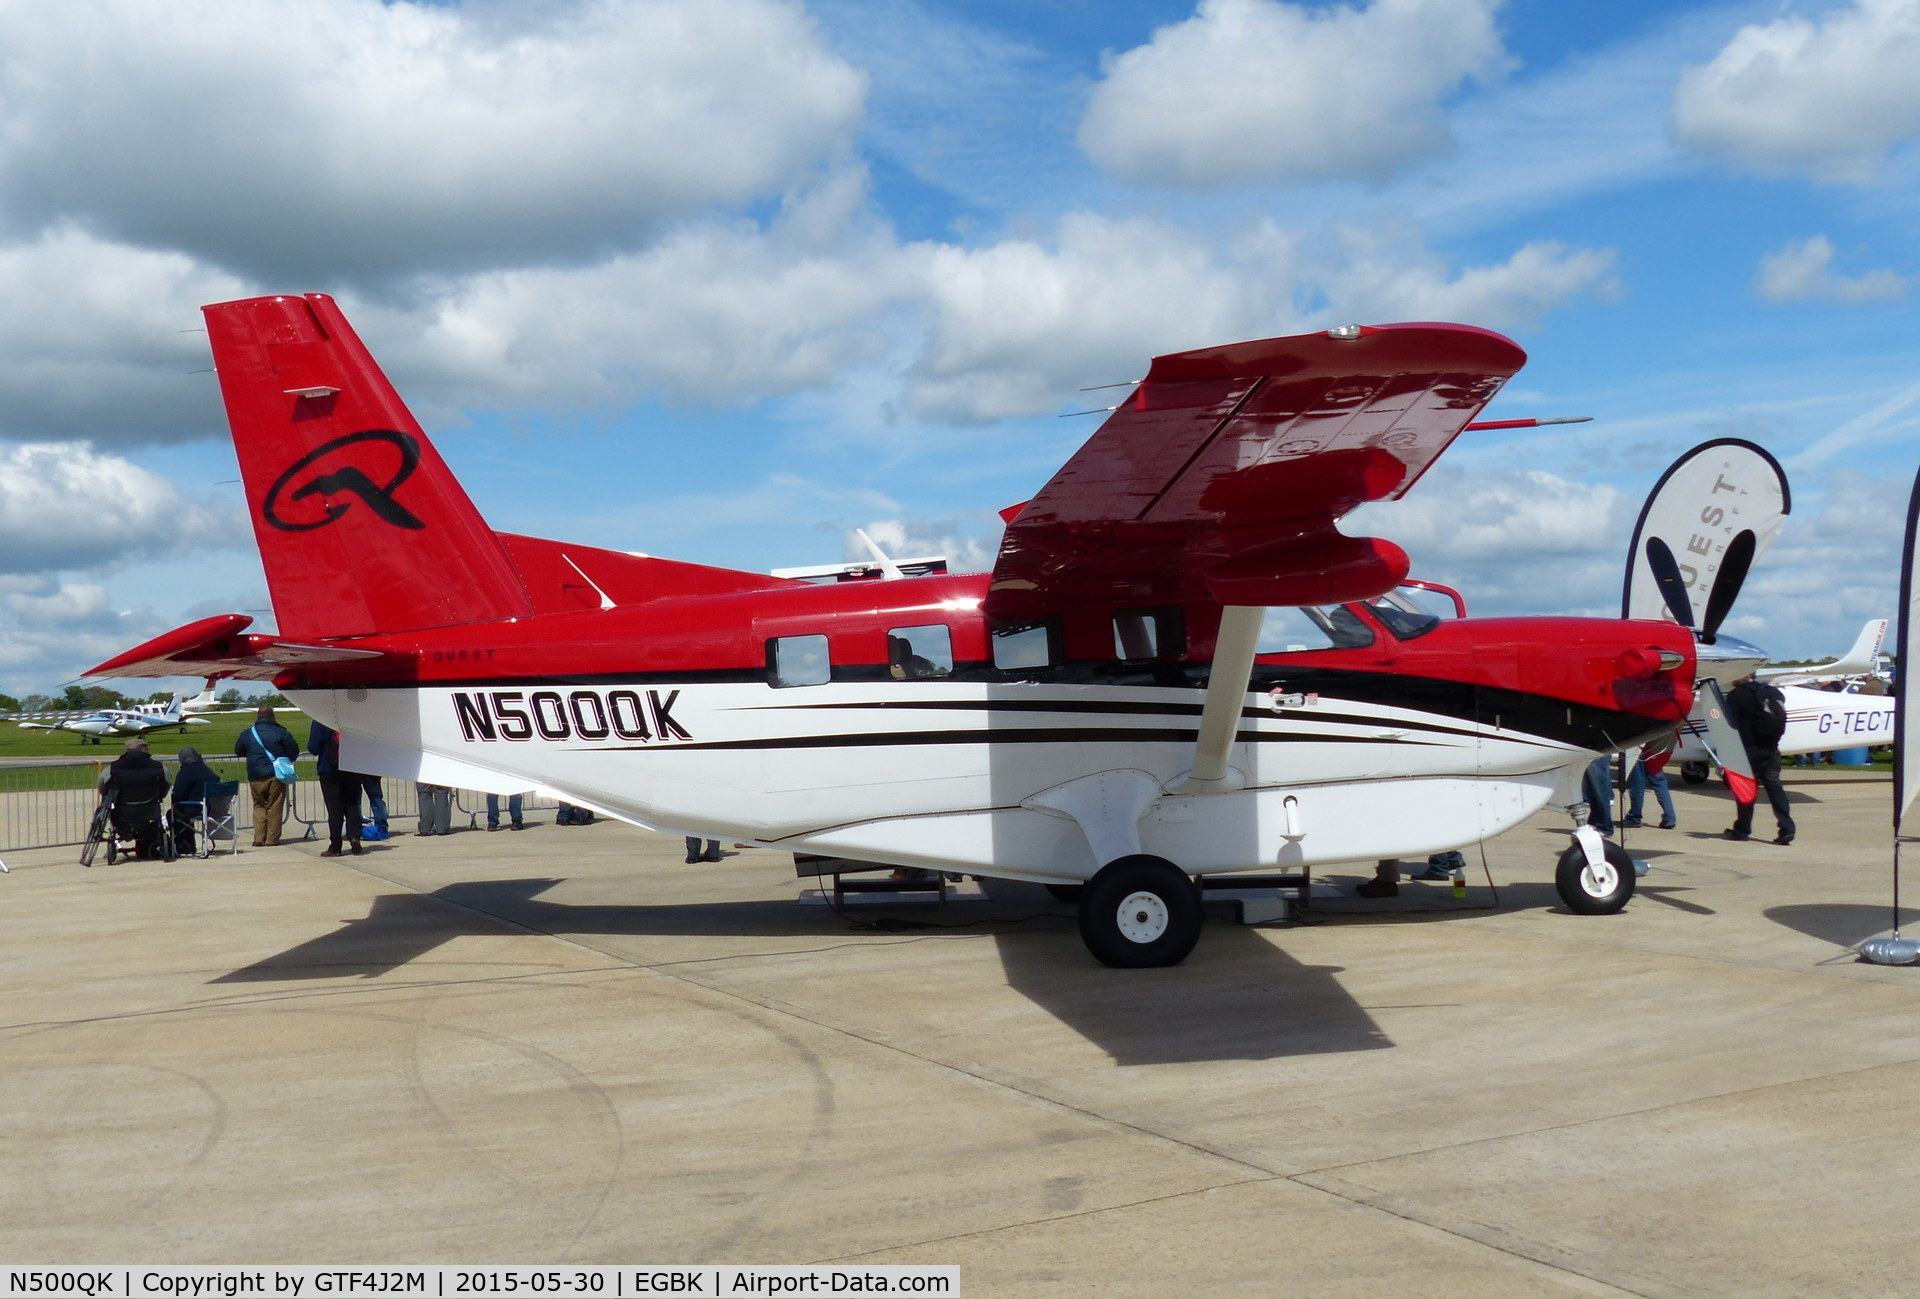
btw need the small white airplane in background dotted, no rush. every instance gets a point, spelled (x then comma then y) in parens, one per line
(1863, 660)
(1817, 720)
(93, 727)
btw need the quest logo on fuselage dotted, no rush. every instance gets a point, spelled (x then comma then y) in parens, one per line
(519, 715)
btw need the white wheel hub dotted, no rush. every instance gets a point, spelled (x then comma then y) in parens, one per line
(1142, 917)
(1599, 879)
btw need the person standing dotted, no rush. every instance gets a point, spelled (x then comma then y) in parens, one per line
(376, 805)
(436, 808)
(260, 744)
(514, 803)
(1759, 712)
(1651, 772)
(340, 789)
(1597, 786)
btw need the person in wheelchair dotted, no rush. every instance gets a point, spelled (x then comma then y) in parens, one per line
(190, 789)
(133, 787)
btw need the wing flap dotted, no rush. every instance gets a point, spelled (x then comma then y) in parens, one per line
(1224, 474)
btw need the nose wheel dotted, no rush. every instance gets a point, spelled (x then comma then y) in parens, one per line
(1594, 888)
(1140, 911)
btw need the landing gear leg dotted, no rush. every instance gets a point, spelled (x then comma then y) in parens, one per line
(1140, 911)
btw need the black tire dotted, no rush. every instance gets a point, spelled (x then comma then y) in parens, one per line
(1140, 912)
(1694, 773)
(96, 833)
(1586, 895)
(1066, 892)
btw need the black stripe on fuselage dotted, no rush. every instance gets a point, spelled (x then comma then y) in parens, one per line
(1005, 735)
(1320, 716)
(1517, 713)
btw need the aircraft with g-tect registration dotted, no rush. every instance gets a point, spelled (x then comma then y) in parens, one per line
(1099, 709)
(1818, 721)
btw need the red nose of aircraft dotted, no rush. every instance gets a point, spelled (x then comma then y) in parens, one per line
(1636, 670)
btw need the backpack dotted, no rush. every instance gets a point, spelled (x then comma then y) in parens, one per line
(1769, 714)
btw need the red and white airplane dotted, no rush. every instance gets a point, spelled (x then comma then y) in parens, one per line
(1096, 709)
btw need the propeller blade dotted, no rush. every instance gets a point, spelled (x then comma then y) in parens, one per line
(1666, 575)
(1722, 740)
(1726, 583)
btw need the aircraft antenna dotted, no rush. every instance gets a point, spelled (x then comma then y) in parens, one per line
(606, 601)
(889, 571)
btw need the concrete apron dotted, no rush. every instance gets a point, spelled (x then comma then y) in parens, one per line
(567, 1045)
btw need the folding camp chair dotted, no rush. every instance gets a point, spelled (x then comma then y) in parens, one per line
(212, 818)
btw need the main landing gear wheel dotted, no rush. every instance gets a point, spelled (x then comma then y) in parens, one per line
(1592, 891)
(1694, 773)
(1140, 911)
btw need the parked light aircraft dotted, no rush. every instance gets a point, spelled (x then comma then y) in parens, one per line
(138, 719)
(1817, 720)
(1097, 709)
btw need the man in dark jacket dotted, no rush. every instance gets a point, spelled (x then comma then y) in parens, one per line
(340, 789)
(1758, 712)
(137, 784)
(260, 744)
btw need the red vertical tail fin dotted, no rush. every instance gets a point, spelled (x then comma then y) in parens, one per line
(361, 525)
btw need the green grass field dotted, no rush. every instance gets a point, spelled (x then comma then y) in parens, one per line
(214, 740)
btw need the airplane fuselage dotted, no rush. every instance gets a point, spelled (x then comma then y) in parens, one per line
(675, 714)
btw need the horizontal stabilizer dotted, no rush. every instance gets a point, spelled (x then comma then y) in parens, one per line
(221, 647)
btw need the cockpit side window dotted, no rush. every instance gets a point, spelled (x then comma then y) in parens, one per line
(1140, 634)
(1290, 631)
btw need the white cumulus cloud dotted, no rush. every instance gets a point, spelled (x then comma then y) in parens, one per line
(67, 507)
(1829, 97)
(1803, 272)
(318, 140)
(1514, 541)
(1262, 90)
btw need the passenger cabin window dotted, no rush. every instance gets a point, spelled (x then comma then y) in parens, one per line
(798, 661)
(1140, 634)
(919, 653)
(1023, 647)
(1289, 631)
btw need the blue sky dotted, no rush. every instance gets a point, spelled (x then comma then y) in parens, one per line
(726, 279)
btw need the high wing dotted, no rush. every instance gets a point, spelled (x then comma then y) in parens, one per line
(1224, 473)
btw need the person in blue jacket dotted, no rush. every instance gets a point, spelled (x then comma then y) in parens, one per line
(260, 744)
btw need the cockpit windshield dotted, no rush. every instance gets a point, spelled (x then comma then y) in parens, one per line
(1408, 612)
(1403, 613)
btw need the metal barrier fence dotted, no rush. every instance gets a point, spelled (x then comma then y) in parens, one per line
(45, 806)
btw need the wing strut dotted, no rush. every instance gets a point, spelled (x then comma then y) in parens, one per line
(1233, 651)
